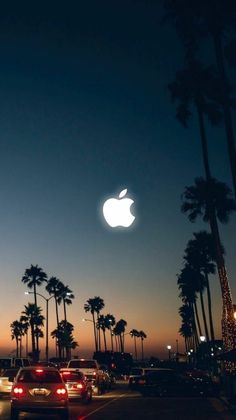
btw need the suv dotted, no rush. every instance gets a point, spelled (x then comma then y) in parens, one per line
(40, 390)
(13, 362)
(90, 368)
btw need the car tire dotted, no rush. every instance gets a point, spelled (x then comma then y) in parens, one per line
(14, 414)
(86, 399)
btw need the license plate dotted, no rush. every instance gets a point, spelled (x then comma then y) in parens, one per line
(39, 392)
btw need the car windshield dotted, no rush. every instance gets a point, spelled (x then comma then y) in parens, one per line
(162, 374)
(39, 376)
(72, 376)
(90, 364)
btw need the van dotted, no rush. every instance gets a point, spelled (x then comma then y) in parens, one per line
(13, 362)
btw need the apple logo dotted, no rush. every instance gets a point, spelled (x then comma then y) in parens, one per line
(117, 211)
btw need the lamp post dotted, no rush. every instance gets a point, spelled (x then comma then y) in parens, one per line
(47, 300)
(202, 338)
(169, 350)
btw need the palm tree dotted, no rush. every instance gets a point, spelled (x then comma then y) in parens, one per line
(109, 323)
(17, 333)
(209, 18)
(94, 305)
(64, 295)
(186, 329)
(119, 330)
(188, 286)
(200, 253)
(25, 326)
(220, 205)
(53, 287)
(32, 314)
(101, 325)
(34, 276)
(135, 334)
(63, 334)
(142, 335)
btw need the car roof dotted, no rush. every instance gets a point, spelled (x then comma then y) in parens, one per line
(48, 368)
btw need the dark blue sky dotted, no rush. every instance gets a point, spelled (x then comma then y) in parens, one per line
(84, 113)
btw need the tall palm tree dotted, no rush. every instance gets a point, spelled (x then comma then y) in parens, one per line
(33, 277)
(135, 334)
(101, 325)
(32, 314)
(109, 323)
(201, 255)
(191, 258)
(142, 335)
(186, 329)
(94, 306)
(119, 330)
(64, 335)
(65, 295)
(213, 18)
(25, 325)
(195, 202)
(53, 287)
(188, 286)
(17, 333)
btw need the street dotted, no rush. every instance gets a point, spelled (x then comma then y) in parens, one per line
(122, 404)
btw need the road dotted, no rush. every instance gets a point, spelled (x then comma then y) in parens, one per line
(123, 404)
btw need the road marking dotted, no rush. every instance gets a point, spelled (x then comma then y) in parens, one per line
(100, 408)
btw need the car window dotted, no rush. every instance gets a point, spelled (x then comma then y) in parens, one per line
(72, 376)
(136, 371)
(90, 364)
(32, 376)
(9, 372)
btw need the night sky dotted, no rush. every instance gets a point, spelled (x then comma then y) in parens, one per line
(84, 113)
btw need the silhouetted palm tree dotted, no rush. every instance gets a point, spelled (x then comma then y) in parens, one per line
(64, 295)
(213, 18)
(142, 335)
(25, 325)
(94, 305)
(53, 287)
(186, 329)
(188, 286)
(33, 277)
(64, 336)
(16, 334)
(196, 203)
(135, 334)
(109, 323)
(119, 330)
(201, 252)
(33, 315)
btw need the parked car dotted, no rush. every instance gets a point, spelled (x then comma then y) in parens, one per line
(137, 372)
(78, 387)
(167, 382)
(41, 390)
(6, 380)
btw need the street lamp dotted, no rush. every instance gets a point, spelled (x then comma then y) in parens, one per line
(169, 350)
(85, 319)
(202, 338)
(47, 300)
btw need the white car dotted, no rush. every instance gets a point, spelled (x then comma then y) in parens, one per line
(6, 381)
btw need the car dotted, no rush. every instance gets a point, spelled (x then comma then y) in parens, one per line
(167, 382)
(137, 372)
(39, 389)
(6, 381)
(78, 387)
(91, 369)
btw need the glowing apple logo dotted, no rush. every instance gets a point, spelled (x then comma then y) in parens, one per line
(117, 211)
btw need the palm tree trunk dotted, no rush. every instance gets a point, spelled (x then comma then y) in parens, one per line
(135, 349)
(209, 307)
(105, 341)
(95, 333)
(204, 316)
(112, 349)
(142, 348)
(64, 306)
(226, 107)
(197, 319)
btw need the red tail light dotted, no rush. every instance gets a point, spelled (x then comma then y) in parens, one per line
(61, 391)
(94, 373)
(18, 391)
(141, 381)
